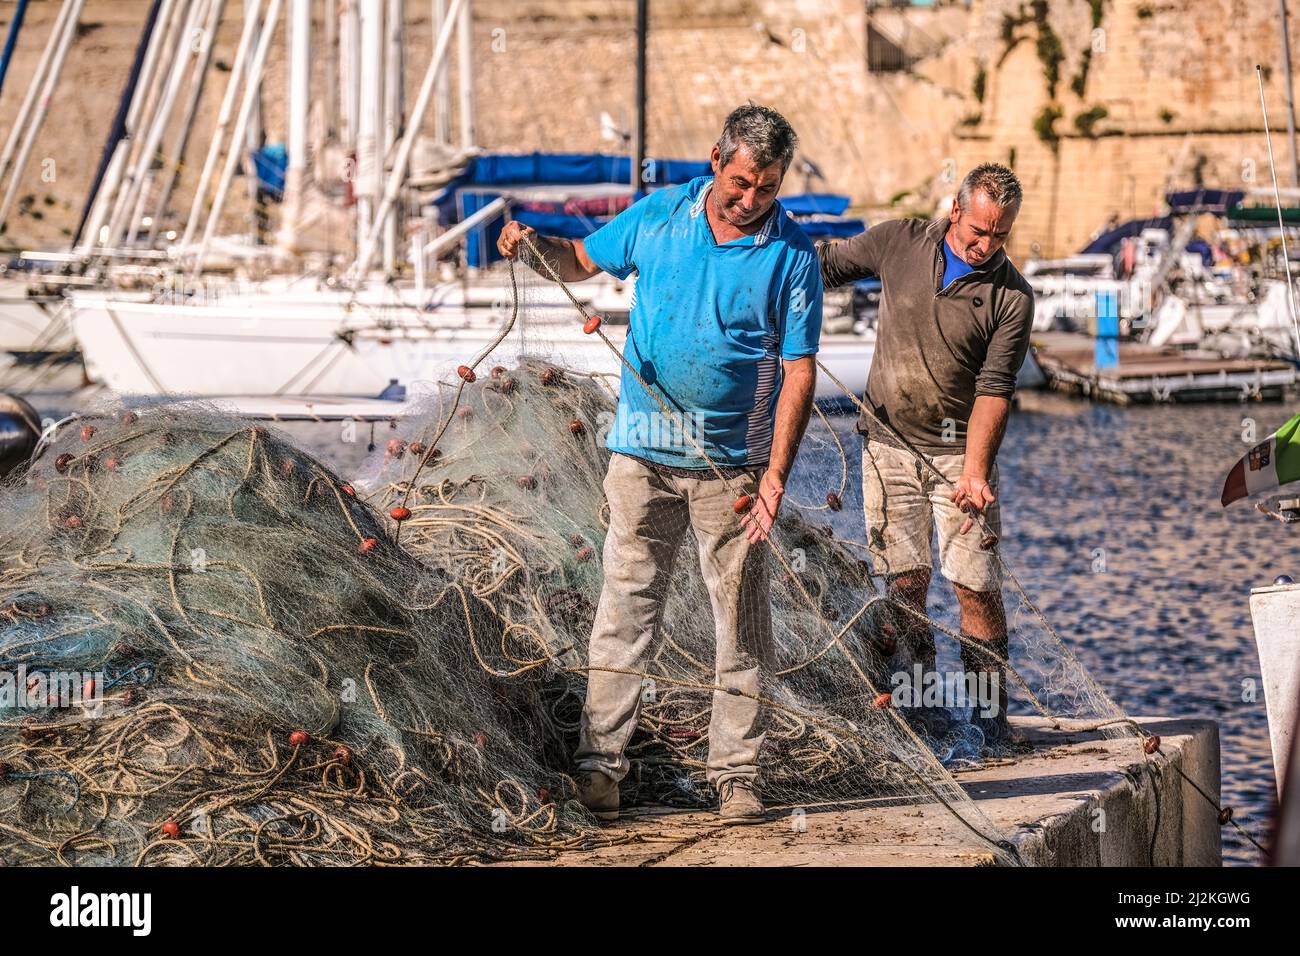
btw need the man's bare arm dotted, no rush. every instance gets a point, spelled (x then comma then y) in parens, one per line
(567, 257)
(793, 409)
(988, 423)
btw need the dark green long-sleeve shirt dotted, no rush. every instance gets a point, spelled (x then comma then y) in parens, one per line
(936, 348)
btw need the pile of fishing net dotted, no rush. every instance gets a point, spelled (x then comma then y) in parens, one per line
(268, 677)
(283, 668)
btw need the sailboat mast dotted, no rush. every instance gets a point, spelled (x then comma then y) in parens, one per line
(15, 25)
(369, 129)
(465, 63)
(116, 134)
(369, 241)
(638, 139)
(442, 106)
(224, 117)
(172, 166)
(64, 31)
(1287, 88)
(394, 107)
(104, 198)
(299, 110)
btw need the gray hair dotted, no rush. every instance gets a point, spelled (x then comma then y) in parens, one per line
(762, 131)
(995, 181)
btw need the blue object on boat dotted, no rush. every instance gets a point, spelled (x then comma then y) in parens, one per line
(1107, 349)
(1109, 239)
(572, 169)
(1204, 200)
(270, 162)
(395, 391)
(816, 204)
(831, 228)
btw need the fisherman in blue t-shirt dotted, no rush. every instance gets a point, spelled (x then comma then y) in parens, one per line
(723, 331)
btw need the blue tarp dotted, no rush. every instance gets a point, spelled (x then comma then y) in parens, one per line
(460, 199)
(270, 163)
(482, 242)
(816, 204)
(1204, 200)
(1109, 239)
(831, 228)
(573, 169)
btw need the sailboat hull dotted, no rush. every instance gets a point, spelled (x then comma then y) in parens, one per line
(305, 348)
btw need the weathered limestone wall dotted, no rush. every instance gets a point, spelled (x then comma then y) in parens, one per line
(1175, 77)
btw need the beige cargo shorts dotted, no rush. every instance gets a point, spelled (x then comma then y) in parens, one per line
(905, 503)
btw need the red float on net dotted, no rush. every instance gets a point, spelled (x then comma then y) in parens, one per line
(466, 373)
(367, 545)
(171, 830)
(592, 324)
(299, 738)
(399, 513)
(87, 432)
(743, 504)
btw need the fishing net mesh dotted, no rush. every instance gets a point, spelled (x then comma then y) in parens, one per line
(281, 668)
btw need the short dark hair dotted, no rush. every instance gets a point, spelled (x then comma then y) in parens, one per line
(995, 181)
(761, 130)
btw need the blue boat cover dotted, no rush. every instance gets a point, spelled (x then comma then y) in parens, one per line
(1204, 200)
(816, 204)
(271, 162)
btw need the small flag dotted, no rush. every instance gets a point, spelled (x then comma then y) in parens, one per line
(1273, 462)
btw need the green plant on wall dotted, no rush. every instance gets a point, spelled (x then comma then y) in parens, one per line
(1086, 123)
(1080, 82)
(1098, 12)
(1050, 53)
(978, 85)
(1045, 125)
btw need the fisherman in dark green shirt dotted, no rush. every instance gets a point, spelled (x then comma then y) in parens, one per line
(954, 327)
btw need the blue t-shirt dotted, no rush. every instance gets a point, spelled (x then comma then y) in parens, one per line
(954, 266)
(709, 326)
